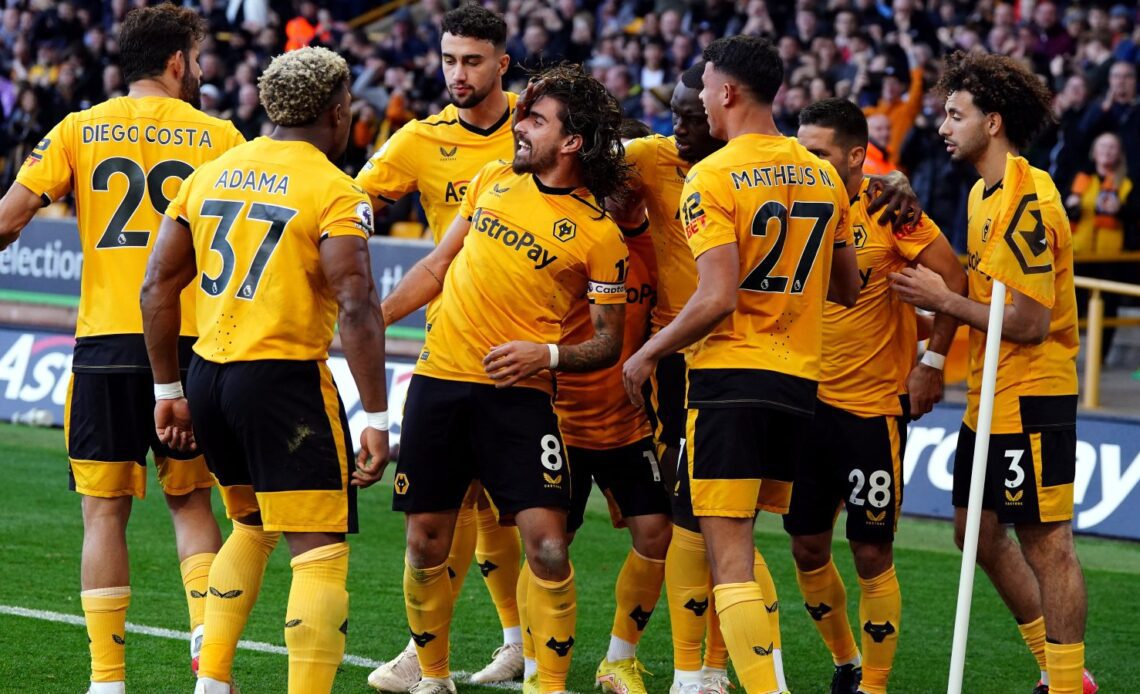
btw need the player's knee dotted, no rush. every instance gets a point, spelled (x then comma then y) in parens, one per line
(548, 558)
(106, 511)
(871, 559)
(809, 555)
(428, 544)
(651, 540)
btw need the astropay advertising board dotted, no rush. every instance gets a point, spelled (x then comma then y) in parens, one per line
(35, 368)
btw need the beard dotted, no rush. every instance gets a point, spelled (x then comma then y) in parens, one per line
(472, 100)
(533, 160)
(190, 90)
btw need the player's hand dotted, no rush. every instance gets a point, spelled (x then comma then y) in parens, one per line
(635, 373)
(530, 95)
(921, 287)
(899, 204)
(172, 424)
(372, 458)
(924, 386)
(510, 363)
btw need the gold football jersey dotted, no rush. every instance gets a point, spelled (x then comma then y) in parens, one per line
(124, 160)
(258, 215)
(593, 409)
(531, 253)
(786, 210)
(869, 349)
(662, 172)
(437, 156)
(1038, 256)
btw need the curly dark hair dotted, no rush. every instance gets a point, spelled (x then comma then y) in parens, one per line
(751, 61)
(1002, 85)
(150, 35)
(473, 21)
(589, 110)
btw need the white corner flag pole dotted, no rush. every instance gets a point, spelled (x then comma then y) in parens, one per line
(977, 486)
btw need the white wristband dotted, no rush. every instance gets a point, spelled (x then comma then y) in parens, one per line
(377, 420)
(553, 356)
(934, 360)
(168, 391)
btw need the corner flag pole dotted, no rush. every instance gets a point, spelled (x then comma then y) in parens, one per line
(977, 486)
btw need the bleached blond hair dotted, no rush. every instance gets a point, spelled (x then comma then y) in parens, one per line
(297, 86)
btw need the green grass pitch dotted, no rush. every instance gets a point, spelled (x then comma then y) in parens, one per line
(41, 532)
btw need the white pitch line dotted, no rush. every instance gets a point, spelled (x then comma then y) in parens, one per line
(258, 646)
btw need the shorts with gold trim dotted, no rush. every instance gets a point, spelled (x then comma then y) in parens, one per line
(275, 434)
(109, 426)
(457, 431)
(853, 461)
(1029, 475)
(742, 459)
(629, 476)
(666, 402)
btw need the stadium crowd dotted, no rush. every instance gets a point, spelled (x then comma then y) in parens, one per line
(56, 58)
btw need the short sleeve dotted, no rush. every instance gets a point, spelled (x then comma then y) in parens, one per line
(178, 209)
(607, 262)
(391, 173)
(707, 220)
(47, 171)
(346, 212)
(233, 137)
(914, 243)
(639, 154)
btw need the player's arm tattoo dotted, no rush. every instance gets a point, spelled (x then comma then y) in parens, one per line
(604, 348)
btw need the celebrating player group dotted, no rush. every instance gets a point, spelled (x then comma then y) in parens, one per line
(705, 326)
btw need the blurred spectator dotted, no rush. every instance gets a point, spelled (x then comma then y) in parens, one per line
(22, 131)
(900, 109)
(877, 161)
(1099, 210)
(1118, 111)
(248, 116)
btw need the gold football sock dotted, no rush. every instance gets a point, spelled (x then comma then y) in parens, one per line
(195, 580)
(552, 610)
(498, 553)
(689, 595)
(316, 618)
(428, 600)
(462, 548)
(744, 623)
(880, 613)
(1034, 635)
(235, 581)
(637, 589)
(105, 610)
(716, 652)
(771, 600)
(521, 599)
(1066, 667)
(826, 601)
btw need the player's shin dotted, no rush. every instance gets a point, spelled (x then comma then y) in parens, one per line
(880, 614)
(552, 611)
(316, 619)
(429, 603)
(235, 581)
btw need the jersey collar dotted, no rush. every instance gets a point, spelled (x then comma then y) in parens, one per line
(491, 130)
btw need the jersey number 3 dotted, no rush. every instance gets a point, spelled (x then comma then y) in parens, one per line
(761, 278)
(227, 211)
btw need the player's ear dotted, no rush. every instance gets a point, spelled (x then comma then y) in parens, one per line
(855, 158)
(993, 123)
(176, 64)
(572, 144)
(504, 63)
